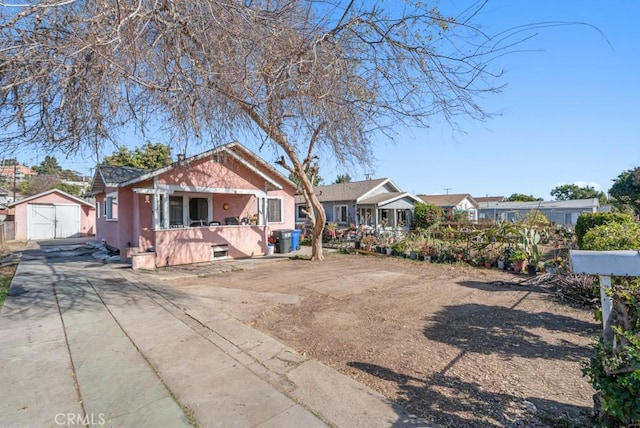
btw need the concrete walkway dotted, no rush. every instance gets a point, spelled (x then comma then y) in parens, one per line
(88, 344)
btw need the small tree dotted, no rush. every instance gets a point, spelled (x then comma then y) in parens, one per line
(567, 192)
(426, 215)
(346, 178)
(521, 197)
(39, 184)
(626, 190)
(149, 156)
(49, 166)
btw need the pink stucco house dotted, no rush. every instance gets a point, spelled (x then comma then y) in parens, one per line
(52, 214)
(222, 203)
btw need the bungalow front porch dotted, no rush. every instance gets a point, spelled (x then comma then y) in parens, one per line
(177, 225)
(377, 219)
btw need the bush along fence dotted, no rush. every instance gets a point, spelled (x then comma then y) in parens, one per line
(503, 245)
(614, 368)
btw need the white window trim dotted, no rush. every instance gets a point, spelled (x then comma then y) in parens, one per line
(109, 216)
(186, 197)
(335, 211)
(281, 199)
(185, 206)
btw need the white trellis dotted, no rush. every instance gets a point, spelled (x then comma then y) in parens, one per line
(606, 264)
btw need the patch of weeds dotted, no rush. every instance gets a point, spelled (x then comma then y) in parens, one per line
(299, 257)
(563, 421)
(6, 274)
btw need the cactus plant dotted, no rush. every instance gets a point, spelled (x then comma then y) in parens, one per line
(530, 238)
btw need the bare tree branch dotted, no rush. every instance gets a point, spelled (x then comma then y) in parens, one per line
(308, 77)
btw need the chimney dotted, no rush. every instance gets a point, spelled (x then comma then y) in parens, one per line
(181, 157)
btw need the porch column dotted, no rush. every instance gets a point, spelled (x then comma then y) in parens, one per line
(376, 217)
(262, 217)
(165, 211)
(156, 211)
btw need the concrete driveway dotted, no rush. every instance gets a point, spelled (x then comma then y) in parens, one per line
(88, 344)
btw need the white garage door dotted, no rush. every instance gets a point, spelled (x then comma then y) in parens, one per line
(67, 221)
(53, 221)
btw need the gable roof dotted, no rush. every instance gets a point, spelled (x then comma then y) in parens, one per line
(574, 204)
(350, 191)
(386, 198)
(113, 176)
(449, 200)
(58, 191)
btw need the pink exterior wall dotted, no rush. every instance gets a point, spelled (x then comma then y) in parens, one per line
(20, 212)
(106, 230)
(87, 214)
(228, 175)
(193, 245)
(134, 226)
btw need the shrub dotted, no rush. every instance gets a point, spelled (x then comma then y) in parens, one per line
(588, 221)
(535, 218)
(614, 370)
(613, 236)
(426, 215)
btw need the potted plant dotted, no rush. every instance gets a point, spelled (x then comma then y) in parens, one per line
(400, 247)
(530, 239)
(519, 260)
(367, 242)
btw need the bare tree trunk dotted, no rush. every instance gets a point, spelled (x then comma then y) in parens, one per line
(315, 210)
(318, 227)
(299, 169)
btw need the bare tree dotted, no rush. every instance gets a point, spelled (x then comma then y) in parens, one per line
(310, 78)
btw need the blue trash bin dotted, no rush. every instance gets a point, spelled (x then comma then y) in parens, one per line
(295, 239)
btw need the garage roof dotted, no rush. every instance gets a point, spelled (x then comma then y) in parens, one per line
(60, 192)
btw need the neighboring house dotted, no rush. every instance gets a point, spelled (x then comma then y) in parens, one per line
(4, 197)
(221, 203)
(363, 203)
(19, 171)
(454, 203)
(564, 213)
(483, 199)
(52, 214)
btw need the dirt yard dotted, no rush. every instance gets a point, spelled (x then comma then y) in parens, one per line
(450, 343)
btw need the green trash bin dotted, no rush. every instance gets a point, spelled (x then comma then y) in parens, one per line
(295, 239)
(283, 240)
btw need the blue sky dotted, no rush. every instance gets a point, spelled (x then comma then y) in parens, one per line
(570, 112)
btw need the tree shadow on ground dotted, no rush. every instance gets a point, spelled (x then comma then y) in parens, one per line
(452, 402)
(502, 332)
(579, 295)
(487, 329)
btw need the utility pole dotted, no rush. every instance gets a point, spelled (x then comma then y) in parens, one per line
(14, 179)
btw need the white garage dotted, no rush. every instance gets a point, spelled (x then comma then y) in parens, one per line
(52, 221)
(53, 214)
